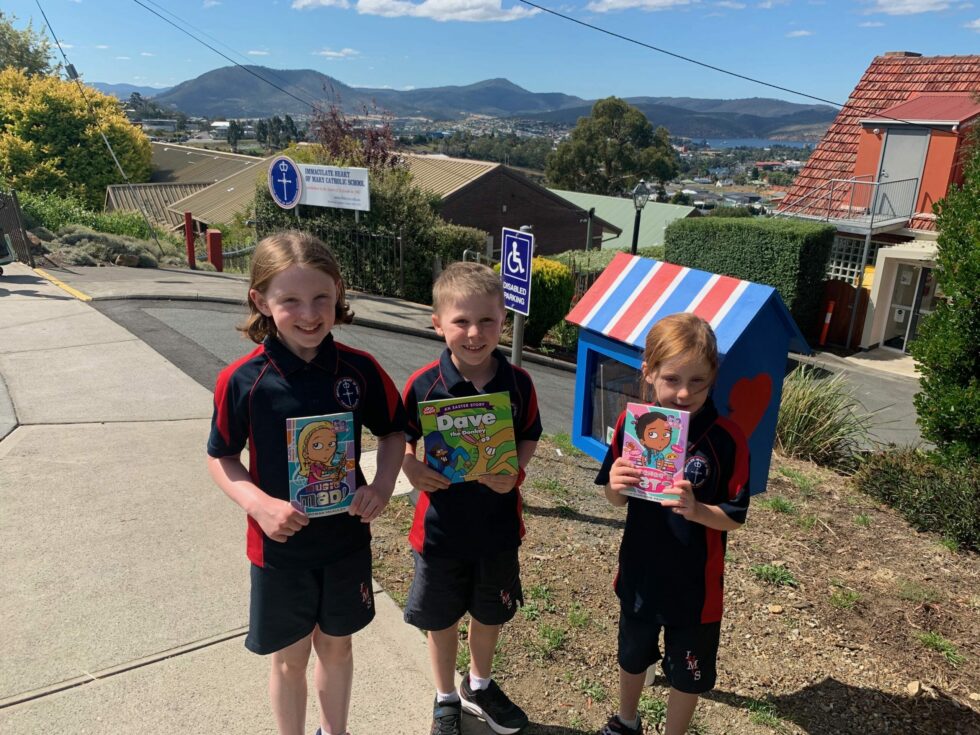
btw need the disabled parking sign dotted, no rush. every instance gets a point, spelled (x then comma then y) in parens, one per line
(515, 269)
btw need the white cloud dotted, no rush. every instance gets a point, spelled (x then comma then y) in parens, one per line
(730, 5)
(798, 34)
(475, 11)
(605, 6)
(871, 24)
(344, 53)
(255, 52)
(146, 53)
(973, 25)
(67, 45)
(102, 46)
(908, 7)
(310, 4)
(210, 3)
(122, 58)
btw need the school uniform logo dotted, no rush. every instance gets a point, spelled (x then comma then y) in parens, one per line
(697, 470)
(347, 392)
(506, 599)
(692, 665)
(366, 596)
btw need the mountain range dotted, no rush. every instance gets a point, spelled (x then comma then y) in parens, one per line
(239, 92)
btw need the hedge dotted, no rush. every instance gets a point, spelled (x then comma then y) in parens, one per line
(552, 287)
(790, 256)
(931, 493)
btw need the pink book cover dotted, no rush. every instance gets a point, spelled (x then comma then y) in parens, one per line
(655, 440)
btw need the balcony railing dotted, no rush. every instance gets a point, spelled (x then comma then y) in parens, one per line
(859, 204)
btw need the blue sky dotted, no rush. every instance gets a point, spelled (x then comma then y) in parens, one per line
(817, 46)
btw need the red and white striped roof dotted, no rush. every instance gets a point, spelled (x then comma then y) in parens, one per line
(633, 293)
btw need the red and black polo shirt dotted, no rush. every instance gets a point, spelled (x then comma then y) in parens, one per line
(469, 520)
(252, 400)
(671, 571)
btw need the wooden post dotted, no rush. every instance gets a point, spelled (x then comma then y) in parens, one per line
(215, 258)
(189, 239)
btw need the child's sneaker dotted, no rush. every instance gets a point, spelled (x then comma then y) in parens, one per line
(502, 715)
(615, 726)
(445, 718)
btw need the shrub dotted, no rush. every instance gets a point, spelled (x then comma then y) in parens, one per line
(53, 212)
(552, 287)
(931, 493)
(948, 343)
(83, 246)
(820, 421)
(730, 212)
(789, 256)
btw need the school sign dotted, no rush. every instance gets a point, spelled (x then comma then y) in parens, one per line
(318, 186)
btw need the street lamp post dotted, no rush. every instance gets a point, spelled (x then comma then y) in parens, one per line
(641, 194)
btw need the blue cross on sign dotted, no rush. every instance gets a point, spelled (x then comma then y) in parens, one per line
(515, 269)
(285, 182)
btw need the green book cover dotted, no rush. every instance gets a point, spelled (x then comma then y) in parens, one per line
(466, 438)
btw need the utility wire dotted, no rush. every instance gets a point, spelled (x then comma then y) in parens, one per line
(722, 70)
(73, 75)
(225, 56)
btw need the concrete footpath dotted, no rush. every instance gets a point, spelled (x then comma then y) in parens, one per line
(123, 591)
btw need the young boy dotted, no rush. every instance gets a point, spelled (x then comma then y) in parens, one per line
(465, 535)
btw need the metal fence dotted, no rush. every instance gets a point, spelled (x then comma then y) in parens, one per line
(12, 225)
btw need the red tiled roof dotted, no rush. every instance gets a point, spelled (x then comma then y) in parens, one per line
(950, 108)
(889, 81)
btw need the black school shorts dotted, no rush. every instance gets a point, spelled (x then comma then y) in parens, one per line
(689, 656)
(286, 604)
(443, 590)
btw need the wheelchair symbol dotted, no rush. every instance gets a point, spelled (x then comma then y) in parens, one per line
(514, 263)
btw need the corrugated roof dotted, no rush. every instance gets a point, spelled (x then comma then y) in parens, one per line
(621, 213)
(633, 293)
(181, 164)
(443, 175)
(220, 202)
(155, 198)
(889, 81)
(952, 109)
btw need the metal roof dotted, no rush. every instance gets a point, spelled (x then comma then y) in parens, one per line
(443, 175)
(621, 213)
(949, 109)
(181, 164)
(154, 198)
(633, 293)
(220, 202)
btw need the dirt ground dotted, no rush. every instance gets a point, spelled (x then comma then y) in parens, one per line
(839, 618)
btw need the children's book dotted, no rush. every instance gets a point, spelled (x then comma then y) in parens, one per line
(466, 438)
(322, 474)
(655, 440)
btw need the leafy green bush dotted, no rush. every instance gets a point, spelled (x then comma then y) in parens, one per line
(53, 211)
(820, 421)
(787, 255)
(83, 246)
(932, 493)
(730, 212)
(948, 343)
(552, 287)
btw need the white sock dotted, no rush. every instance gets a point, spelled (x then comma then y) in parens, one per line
(634, 723)
(476, 683)
(444, 698)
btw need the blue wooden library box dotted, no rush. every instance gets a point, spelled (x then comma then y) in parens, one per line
(754, 329)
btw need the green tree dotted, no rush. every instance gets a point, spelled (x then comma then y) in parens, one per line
(235, 131)
(611, 150)
(50, 138)
(27, 50)
(948, 343)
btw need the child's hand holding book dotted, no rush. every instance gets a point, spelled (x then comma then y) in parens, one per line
(422, 476)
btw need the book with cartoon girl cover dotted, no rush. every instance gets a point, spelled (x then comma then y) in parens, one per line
(466, 438)
(320, 451)
(655, 440)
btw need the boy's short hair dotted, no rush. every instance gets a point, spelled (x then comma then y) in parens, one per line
(463, 279)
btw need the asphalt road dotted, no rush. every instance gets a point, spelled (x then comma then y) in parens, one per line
(200, 338)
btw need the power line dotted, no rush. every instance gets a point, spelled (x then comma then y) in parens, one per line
(225, 56)
(73, 75)
(722, 70)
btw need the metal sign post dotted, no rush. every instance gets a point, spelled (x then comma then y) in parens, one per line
(517, 247)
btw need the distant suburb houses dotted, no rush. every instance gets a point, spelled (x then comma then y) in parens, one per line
(892, 152)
